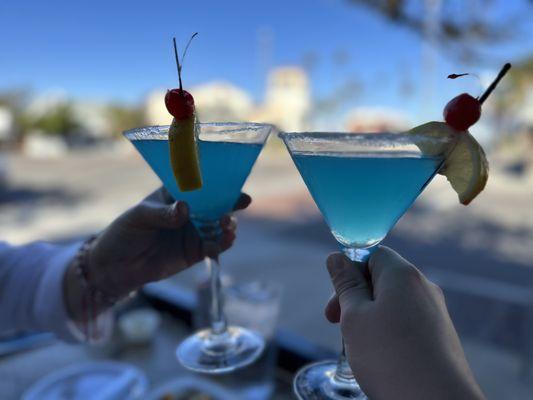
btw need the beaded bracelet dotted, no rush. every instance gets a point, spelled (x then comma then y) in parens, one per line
(95, 298)
(81, 268)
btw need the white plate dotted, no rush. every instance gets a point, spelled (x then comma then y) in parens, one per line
(102, 380)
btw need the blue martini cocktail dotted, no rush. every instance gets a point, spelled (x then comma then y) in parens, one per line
(362, 184)
(227, 154)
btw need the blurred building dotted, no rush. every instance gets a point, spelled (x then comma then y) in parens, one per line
(376, 119)
(287, 99)
(525, 112)
(93, 118)
(155, 110)
(287, 102)
(513, 138)
(507, 125)
(39, 146)
(6, 123)
(222, 101)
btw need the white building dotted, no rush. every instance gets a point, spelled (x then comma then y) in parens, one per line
(154, 108)
(93, 118)
(376, 119)
(6, 123)
(287, 100)
(525, 111)
(222, 101)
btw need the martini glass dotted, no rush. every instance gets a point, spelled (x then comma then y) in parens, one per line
(227, 154)
(362, 184)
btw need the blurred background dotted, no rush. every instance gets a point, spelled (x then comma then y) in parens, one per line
(74, 75)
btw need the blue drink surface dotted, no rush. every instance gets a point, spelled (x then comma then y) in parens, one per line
(362, 196)
(224, 165)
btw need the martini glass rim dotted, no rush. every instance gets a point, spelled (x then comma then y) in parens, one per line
(368, 137)
(160, 132)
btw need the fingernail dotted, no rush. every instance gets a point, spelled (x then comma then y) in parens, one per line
(248, 200)
(183, 209)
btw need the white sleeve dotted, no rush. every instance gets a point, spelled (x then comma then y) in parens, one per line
(31, 290)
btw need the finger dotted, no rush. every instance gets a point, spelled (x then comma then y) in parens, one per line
(161, 195)
(225, 221)
(153, 215)
(243, 202)
(193, 247)
(228, 223)
(226, 240)
(388, 270)
(166, 196)
(348, 280)
(211, 249)
(333, 309)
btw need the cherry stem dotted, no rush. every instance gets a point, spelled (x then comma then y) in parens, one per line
(187, 48)
(178, 64)
(493, 85)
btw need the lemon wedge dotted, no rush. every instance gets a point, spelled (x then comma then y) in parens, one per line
(466, 166)
(184, 154)
(434, 129)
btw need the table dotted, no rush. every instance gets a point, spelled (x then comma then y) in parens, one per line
(157, 360)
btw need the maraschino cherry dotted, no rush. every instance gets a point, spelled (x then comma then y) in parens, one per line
(464, 110)
(179, 103)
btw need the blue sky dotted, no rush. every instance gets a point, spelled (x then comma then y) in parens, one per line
(119, 50)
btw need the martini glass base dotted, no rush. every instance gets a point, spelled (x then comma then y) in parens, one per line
(210, 353)
(316, 381)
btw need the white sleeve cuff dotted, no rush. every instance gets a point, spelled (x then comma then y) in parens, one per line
(50, 311)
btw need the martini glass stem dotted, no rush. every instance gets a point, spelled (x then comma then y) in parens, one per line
(210, 232)
(218, 319)
(343, 374)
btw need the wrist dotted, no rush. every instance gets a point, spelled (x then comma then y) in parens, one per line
(101, 274)
(85, 297)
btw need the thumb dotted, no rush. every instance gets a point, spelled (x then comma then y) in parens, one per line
(389, 270)
(155, 215)
(351, 286)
